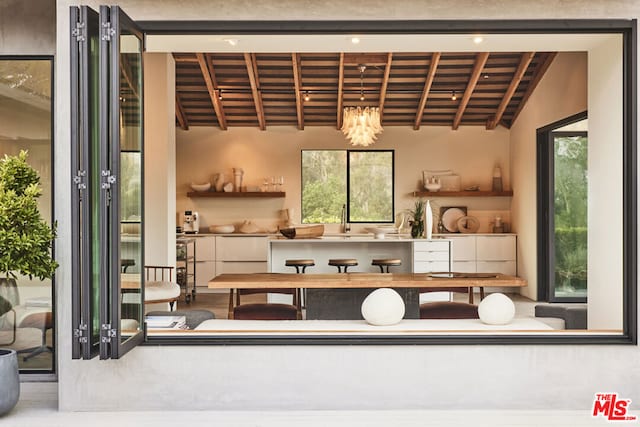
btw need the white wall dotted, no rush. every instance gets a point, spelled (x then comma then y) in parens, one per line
(201, 152)
(604, 272)
(330, 377)
(159, 159)
(549, 103)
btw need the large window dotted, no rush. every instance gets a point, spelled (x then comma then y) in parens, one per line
(360, 181)
(564, 184)
(26, 124)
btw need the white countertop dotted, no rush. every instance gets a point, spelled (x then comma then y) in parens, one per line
(390, 238)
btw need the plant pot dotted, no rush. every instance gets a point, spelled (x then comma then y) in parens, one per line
(417, 229)
(10, 380)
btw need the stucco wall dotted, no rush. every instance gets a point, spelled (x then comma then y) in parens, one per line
(323, 377)
(27, 27)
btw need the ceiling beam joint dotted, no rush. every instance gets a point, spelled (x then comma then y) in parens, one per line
(525, 60)
(254, 80)
(433, 67)
(297, 81)
(481, 60)
(208, 73)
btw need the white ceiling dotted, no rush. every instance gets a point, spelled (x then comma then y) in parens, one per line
(376, 43)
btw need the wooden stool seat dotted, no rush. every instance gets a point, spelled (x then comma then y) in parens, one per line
(386, 262)
(300, 263)
(343, 263)
(126, 263)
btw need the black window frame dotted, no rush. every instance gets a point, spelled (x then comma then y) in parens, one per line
(545, 206)
(348, 182)
(627, 28)
(46, 373)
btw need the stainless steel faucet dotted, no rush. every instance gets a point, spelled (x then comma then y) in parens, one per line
(344, 225)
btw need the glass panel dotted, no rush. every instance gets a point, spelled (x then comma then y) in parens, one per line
(371, 186)
(25, 124)
(570, 215)
(324, 185)
(130, 114)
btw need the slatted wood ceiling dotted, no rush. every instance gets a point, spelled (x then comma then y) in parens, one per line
(412, 89)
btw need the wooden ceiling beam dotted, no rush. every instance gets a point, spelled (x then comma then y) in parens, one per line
(368, 59)
(433, 66)
(385, 83)
(481, 60)
(208, 73)
(254, 80)
(340, 90)
(182, 118)
(525, 60)
(539, 72)
(297, 82)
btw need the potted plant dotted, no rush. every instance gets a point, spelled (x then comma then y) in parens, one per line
(25, 249)
(417, 219)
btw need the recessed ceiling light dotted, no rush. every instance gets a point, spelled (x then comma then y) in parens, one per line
(307, 97)
(477, 39)
(486, 76)
(355, 40)
(232, 42)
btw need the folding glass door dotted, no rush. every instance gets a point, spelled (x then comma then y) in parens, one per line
(107, 142)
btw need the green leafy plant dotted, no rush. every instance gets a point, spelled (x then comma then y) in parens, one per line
(25, 238)
(417, 218)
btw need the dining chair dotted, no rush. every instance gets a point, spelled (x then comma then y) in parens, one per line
(264, 310)
(448, 309)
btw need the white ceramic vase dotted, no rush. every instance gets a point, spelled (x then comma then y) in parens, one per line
(428, 221)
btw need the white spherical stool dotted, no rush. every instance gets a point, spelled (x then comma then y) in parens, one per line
(496, 309)
(383, 307)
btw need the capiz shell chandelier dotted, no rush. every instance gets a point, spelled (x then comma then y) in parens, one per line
(361, 125)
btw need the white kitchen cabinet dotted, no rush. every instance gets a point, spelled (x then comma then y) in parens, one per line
(205, 259)
(504, 267)
(234, 267)
(484, 254)
(250, 248)
(241, 254)
(432, 256)
(496, 248)
(464, 266)
(463, 248)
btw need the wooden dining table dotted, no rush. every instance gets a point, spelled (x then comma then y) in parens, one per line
(364, 280)
(340, 295)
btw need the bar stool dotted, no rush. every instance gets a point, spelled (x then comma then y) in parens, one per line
(387, 262)
(343, 263)
(300, 263)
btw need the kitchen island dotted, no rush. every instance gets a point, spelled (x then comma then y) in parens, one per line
(416, 255)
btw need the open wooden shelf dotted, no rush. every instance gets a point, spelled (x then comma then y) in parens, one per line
(236, 194)
(432, 194)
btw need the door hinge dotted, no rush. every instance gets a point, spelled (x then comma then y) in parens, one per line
(80, 335)
(107, 31)
(78, 180)
(108, 179)
(79, 32)
(107, 332)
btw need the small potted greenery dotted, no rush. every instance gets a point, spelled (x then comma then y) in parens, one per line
(25, 249)
(417, 219)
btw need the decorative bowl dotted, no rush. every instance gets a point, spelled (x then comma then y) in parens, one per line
(222, 229)
(380, 231)
(201, 187)
(433, 186)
